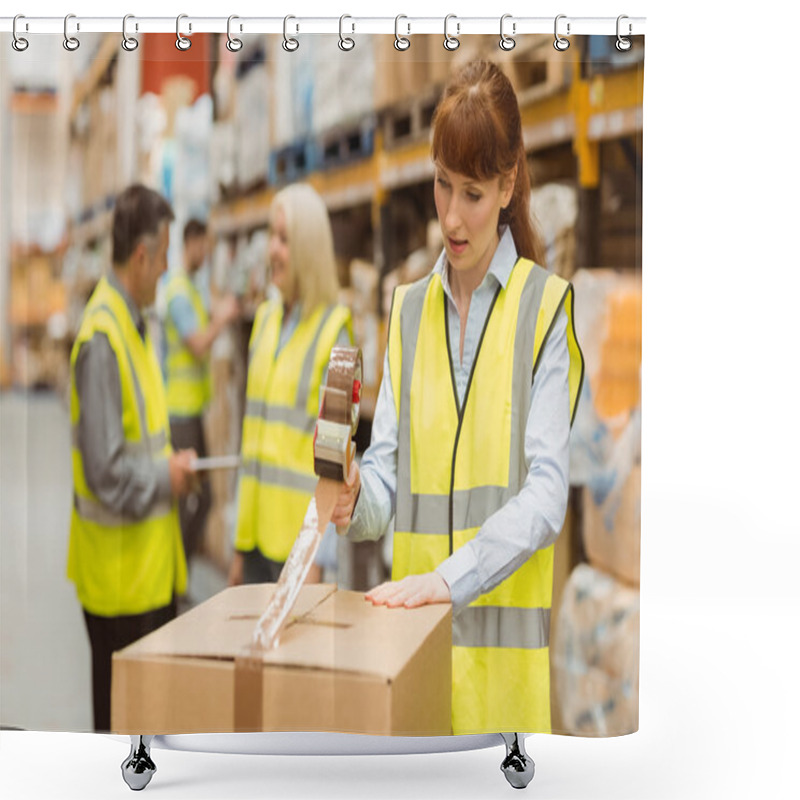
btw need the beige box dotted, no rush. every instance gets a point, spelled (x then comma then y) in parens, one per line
(401, 76)
(595, 656)
(342, 665)
(612, 531)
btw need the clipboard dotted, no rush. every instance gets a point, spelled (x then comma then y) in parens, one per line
(216, 462)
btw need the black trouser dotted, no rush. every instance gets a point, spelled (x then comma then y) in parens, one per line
(193, 509)
(260, 569)
(107, 635)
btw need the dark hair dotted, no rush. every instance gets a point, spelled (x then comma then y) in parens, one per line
(138, 212)
(477, 132)
(193, 228)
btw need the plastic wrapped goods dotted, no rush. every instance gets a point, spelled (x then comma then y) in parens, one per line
(595, 655)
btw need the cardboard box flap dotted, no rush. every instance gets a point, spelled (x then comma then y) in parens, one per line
(351, 635)
(222, 627)
(328, 630)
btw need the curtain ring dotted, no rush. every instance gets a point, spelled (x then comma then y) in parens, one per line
(18, 42)
(182, 43)
(290, 44)
(561, 44)
(622, 44)
(507, 42)
(129, 43)
(400, 42)
(345, 42)
(233, 44)
(71, 43)
(451, 42)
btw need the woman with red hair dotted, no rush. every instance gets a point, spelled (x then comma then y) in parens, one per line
(469, 449)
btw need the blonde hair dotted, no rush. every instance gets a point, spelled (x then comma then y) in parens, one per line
(312, 265)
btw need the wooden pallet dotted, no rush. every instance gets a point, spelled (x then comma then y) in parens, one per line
(292, 162)
(410, 120)
(343, 145)
(539, 70)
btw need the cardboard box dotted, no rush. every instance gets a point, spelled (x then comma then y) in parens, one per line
(608, 322)
(342, 665)
(612, 531)
(399, 76)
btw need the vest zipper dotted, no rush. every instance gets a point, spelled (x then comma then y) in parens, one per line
(466, 397)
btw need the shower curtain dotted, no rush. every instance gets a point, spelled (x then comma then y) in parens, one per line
(217, 130)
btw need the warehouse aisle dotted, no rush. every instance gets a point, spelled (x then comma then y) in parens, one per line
(44, 652)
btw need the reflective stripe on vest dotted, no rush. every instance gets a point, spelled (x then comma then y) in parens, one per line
(153, 443)
(96, 512)
(188, 378)
(277, 477)
(293, 417)
(496, 626)
(121, 565)
(445, 493)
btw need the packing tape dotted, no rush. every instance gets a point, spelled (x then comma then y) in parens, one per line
(248, 699)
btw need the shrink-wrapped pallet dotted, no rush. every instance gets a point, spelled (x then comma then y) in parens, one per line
(343, 88)
(252, 125)
(595, 655)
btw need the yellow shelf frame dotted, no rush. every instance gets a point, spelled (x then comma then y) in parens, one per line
(586, 113)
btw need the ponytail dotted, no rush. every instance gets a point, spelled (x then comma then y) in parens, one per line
(518, 216)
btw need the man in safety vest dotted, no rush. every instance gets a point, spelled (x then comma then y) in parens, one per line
(125, 551)
(189, 335)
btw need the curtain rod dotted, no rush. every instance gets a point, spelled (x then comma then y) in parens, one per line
(350, 25)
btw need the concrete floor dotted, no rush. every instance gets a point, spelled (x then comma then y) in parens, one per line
(45, 681)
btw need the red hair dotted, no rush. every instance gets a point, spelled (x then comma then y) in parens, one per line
(477, 132)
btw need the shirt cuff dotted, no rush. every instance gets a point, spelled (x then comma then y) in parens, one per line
(163, 483)
(358, 530)
(460, 573)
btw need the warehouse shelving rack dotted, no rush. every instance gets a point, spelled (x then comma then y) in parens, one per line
(586, 112)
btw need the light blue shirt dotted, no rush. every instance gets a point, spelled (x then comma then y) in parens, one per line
(532, 519)
(183, 316)
(181, 311)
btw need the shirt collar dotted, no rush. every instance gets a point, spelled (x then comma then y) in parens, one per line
(133, 309)
(503, 260)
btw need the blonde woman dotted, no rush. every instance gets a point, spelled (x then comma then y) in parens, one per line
(288, 356)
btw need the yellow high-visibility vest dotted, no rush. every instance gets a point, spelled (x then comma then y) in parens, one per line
(277, 478)
(121, 565)
(188, 378)
(456, 469)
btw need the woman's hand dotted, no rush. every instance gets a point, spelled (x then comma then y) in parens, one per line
(345, 503)
(413, 591)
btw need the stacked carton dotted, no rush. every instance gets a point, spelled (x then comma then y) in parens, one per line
(595, 655)
(554, 207)
(292, 96)
(343, 83)
(534, 68)
(595, 651)
(617, 381)
(252, 124)
(100, 152)
(609, 327)
(403, 75)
